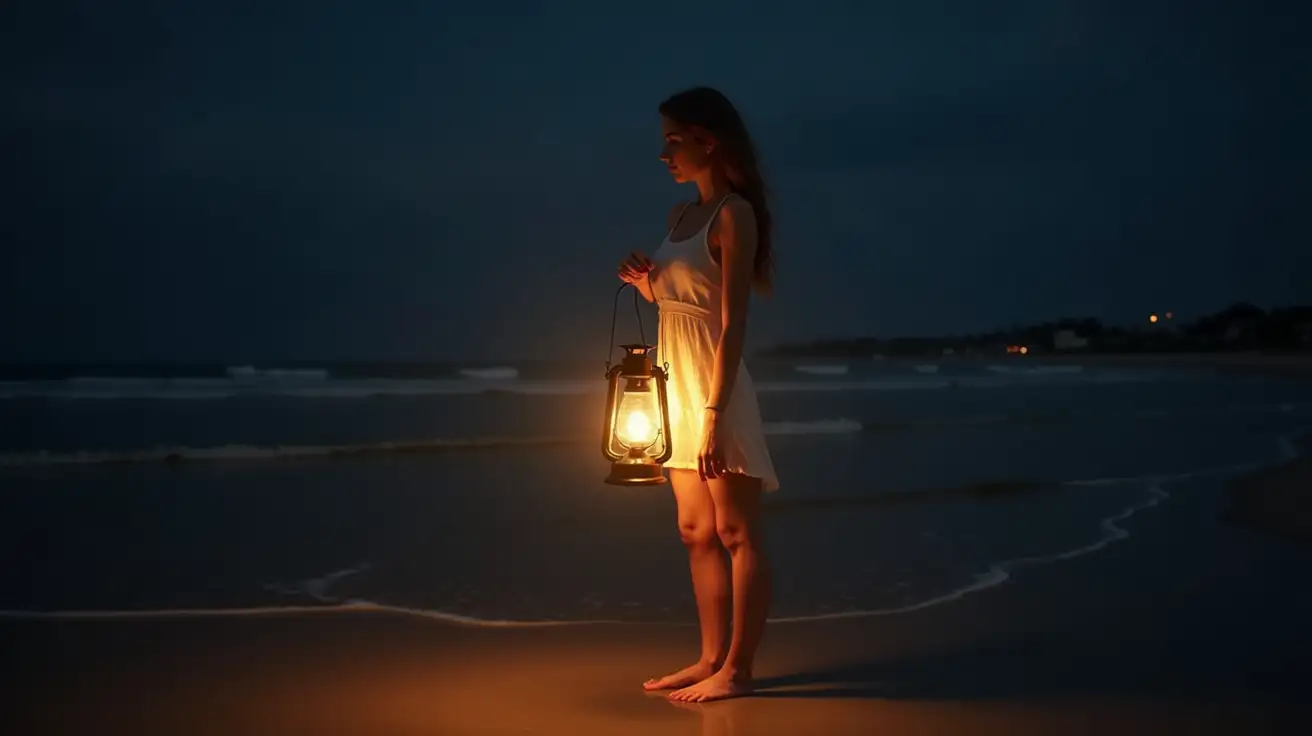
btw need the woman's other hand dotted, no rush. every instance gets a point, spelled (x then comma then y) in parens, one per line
(711, 461)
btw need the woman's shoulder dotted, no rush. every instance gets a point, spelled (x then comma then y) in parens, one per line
(736, 202)
(736, 216)
(735, 207)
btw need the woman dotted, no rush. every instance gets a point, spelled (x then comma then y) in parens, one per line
(701, 277)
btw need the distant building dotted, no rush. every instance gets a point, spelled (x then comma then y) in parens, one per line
(1068, 340)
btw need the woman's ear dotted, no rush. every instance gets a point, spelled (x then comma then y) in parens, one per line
(707, 142)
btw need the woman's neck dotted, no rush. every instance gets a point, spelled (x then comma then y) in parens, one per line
(713, 187)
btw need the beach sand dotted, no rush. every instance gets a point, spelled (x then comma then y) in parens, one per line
(1188, 626)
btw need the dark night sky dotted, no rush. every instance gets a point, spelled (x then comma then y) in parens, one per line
(250, 180)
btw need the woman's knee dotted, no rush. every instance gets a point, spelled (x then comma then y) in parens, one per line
(698, 533)
(737, 511)
(696, 510)
(735, 534)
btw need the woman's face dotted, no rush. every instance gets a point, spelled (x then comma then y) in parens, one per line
(685, 152)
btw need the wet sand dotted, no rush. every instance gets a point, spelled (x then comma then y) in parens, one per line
(370, 675)
(1188, 626)
(1277, 500)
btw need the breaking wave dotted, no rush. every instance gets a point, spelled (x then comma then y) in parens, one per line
(1037, 370)
(251, 373)
(237, 452)
(822, 370)
(475, 381)
(833, 427)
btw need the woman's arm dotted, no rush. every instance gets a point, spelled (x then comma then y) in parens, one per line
(735, 231)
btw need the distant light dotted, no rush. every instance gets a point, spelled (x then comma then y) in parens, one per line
(1024, 350)
(1152, 318)
(1170, 315)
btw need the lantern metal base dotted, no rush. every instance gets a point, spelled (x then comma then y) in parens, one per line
(635, 474)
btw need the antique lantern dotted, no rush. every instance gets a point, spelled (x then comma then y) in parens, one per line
(636, 432)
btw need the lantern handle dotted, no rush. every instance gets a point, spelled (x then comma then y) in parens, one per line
(614, 312)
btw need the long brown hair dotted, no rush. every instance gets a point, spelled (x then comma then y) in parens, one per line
(708, 109)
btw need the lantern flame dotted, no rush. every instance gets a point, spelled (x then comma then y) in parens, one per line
(638, 429)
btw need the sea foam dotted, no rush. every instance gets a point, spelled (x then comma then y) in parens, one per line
(238, 452)
(995, 574)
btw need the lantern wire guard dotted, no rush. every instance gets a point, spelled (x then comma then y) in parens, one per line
(626, 471)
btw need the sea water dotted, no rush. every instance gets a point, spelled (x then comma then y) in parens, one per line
(473, 491)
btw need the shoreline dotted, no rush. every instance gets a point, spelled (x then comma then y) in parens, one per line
(1276, 500)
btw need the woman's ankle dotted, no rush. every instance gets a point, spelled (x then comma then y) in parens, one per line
(714, 663)
(737, 672)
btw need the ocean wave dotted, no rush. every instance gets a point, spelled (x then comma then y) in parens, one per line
(317, 588)
(489, 381)
(939, 382)
(818, 426)
(496, 373)
(1001, 571)
(250, 372)
(272, 452)
(1037, 370)
(436, 445)
(840, 426)
(822, 370)
(202, 389)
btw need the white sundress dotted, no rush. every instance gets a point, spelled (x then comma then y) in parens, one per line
(687, 284)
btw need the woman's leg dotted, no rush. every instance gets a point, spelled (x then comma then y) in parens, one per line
(737, 500)
(710, 578)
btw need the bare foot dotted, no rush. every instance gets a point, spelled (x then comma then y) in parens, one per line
(720, 686)
(683, 678)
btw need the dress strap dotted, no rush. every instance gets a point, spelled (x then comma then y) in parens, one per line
(706, 229)
(716, 211)
(683, 210)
